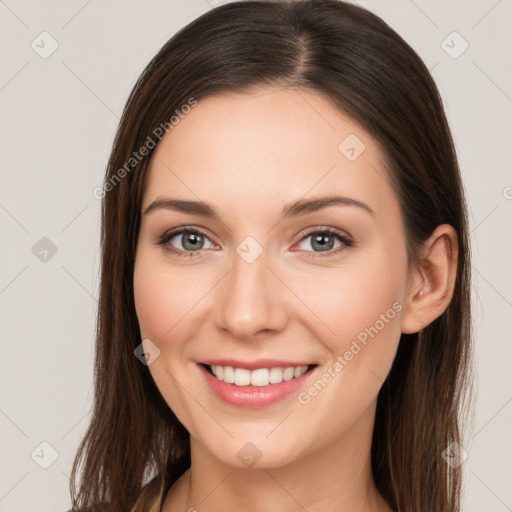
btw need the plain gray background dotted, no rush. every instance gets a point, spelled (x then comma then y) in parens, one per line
(59, 113)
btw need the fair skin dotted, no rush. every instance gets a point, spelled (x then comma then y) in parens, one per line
(249, 155)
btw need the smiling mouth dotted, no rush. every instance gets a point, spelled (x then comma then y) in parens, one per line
(259, 377)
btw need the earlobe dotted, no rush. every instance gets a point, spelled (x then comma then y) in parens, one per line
(432, 282)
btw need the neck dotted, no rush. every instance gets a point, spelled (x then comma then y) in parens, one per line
(336, 478)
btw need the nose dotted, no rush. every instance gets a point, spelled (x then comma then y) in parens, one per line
(251, 300)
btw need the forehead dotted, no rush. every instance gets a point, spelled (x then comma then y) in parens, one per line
(267, 147)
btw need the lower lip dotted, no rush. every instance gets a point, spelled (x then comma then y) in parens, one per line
(254, 397)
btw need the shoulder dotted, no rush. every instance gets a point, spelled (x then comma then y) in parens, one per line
(149, 499)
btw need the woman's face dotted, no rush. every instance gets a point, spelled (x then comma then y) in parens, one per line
(273, 280)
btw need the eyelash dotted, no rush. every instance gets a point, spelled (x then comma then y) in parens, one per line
(343, 238)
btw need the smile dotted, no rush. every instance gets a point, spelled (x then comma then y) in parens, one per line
(260, 377)
(261, 385)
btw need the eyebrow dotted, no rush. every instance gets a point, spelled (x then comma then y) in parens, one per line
(300, 207)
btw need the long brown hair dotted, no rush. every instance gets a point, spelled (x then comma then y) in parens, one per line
(357, 60)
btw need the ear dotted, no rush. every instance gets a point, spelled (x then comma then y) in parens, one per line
(431, 284)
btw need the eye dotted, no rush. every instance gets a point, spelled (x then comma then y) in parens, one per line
(190, 240)
(325, 240)
(185, 242)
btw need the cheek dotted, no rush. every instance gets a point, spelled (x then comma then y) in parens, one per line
(361, 304)
(163, 308)
(168, 304)
(153, 300)
(360, 301)
(161, 300)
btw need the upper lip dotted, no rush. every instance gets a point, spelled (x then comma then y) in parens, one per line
(254, 364)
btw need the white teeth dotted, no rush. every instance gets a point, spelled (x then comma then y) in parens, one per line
(229, 374)
(276, 375)
(260, 377)
(242, 377)
(288, 373)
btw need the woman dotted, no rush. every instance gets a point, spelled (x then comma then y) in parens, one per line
(284, 316)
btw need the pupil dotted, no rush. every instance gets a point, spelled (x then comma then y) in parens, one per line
(191, 241)
(322, 245)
